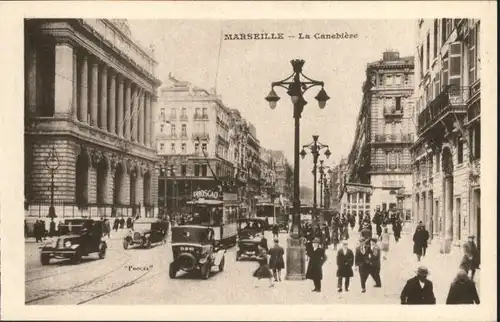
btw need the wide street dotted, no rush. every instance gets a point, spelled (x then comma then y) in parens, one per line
(140, 276)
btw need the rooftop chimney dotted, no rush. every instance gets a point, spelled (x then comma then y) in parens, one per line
(390, 55)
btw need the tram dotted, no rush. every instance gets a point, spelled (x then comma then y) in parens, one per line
(269, 212)
(219, 211)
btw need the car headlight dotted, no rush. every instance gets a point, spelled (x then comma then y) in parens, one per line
(67, 244)
(74, 246)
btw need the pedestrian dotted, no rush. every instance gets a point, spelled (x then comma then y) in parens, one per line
(263, 243)
(335, 235)
(276, 230)
(462, 290)
(362, 261)
(317, 258)
(263, 270)
(366, 231)
(107, 228)
(276, 261)
(385, 243)
(26, 229)
(345, 261)
(52, 228)
(418, 289)
(116, 224)
(59, 228)
(352, 220)
(475, 256)
(377, 220)
(396, 228)
(420, 241)
(360, 220)
(122, 223)
(36, 231)
(129, 223)
(375, 262)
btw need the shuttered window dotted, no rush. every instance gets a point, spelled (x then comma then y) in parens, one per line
(455, 77)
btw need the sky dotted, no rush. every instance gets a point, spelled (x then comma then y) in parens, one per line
(242, 71)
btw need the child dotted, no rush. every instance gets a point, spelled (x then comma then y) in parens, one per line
(385, 242)
(263, 270)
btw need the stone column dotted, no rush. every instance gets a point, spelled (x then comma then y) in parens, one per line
(119, 107)
(135, 112)
(152, 104)
(448, 214)
(103, 106)
(74, 104)
(142, 106)
(112, 104)
(126, 118)
(147, 138)
(63, 87)
(84, 91)
(94, 93)
(429, 223)
(31, 88)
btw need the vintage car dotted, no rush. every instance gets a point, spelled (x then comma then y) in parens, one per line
(282, 222)
(79, 237)
(250, 235)
(145, 232)
(194, 251)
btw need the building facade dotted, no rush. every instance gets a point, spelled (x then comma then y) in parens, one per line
(380, 160)
(192, 140)
(447, 152)
(90, 95)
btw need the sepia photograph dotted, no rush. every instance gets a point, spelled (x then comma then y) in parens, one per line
(229, 161)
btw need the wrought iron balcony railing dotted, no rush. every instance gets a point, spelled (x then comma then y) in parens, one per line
(184, 118)
(200, 117)
(392, 111)
(393, 138)
(201, 136)
(451, 99)
(390, 168)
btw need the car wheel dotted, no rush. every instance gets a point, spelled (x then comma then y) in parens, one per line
(44, 259)
(77, 258)
(205, 271)
(221, 264)
(172, 270)
(125, 244)
(102, 251)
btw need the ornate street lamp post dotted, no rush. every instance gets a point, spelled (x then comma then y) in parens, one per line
(52, 163)
(315, 147)
(322, 180)
(296, 88)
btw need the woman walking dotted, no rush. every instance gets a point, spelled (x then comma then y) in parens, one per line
(263, 270)
(420, 241)
(276, 262)
(385, 243)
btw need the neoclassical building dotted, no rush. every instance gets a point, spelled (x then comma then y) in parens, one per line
(90, 94)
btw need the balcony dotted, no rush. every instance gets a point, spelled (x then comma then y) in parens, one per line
(385, 168)
(200, 117)
(201, 136)
(452, 99)
(183, 118)
(393, 138)
(393, 112)
(393, 183)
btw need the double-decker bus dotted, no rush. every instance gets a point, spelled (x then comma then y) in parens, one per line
(219, 211)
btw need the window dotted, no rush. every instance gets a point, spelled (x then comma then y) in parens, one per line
(204, 170)
(472, 59)
(162, 146)
(204, 147)
(183, 170)
(173, 112)
(196, 170)
(435, 51)
(398, 80)
(475, 140)
(183, 147)
(460, 149)
(205, 115)
(398, 103)
(388, 80)
(162, 128)
(197, 112)
(172, 129)
(427, 52)
(183, 130)
(172, 147)
(456, 64)
(162, 113)
(183, 112)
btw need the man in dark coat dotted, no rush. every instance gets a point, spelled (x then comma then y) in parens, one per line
(462, 290)
(276, 230)
(276, 262)
(474, 252)
(377, 220)
(345, 261)
(375, 262)
(317, 258)
(420, 240)
(396, 228)
(362, 260)
(360, 220)
(418, 290)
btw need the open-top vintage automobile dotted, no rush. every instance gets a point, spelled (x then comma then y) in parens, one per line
(194, 251)
(79, 237)
(250, 235)
(145, 232)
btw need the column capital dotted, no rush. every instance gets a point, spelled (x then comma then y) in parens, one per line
(105, 68)
(61, 40)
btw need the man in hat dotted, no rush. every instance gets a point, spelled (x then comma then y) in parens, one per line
(317, 258)
(474, 252)
(418, 290)
(375, 262)
(362, 260)
(345, 260)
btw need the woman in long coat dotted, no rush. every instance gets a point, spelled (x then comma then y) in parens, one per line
(276, 261)
(396, 227)
(420, 241)
(317, 258)
(263, 270)
(462, 290)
